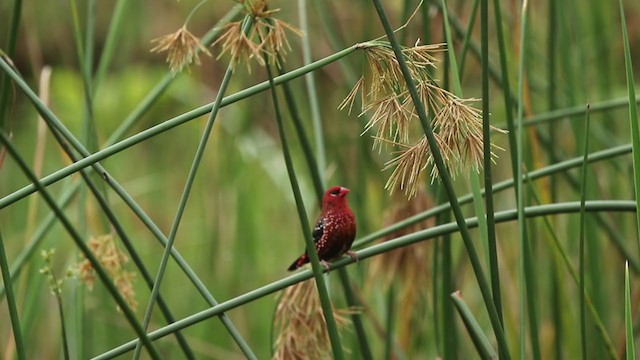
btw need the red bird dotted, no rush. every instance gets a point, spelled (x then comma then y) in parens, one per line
(335, 230)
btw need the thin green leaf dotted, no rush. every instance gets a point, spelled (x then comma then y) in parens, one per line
(480, 340)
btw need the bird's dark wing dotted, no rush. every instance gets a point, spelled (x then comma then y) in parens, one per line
(318, 230)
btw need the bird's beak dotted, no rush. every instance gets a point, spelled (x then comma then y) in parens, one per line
(344, 191)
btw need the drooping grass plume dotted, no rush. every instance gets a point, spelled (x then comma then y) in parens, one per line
(384, 95)
(299, 321)
(182, 46)
(268, 36)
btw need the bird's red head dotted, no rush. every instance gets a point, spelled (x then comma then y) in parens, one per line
(335, 196)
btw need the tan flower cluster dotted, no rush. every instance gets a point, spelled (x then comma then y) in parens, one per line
(113, 261)
(267, 35)
(182, 49)
(302, 331)
(383, 94)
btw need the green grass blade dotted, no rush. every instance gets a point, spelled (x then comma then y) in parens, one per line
(319, 187)
(519, 187)
(11, 302)
(480, 340)
(633, 115)
(628, 317)
(325, 301)
(390, 319)
(10, 48)
(110, 43)
(310, 81)
(488, 180)
(244, 347)
(583, 195)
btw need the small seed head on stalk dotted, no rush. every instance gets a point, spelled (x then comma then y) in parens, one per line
(182, 49)
(268, 35)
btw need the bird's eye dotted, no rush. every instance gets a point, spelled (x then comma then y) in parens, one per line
(335, 192)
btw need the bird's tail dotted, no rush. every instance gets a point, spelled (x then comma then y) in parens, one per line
(299, 262)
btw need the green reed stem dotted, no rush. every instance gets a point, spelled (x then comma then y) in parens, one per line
(560, 252)
(180, 211)
(102, 274)
(446, 179)
(319, 187)
(583, 196)
(310, 81)
(467, 36)
(113, 35)
(10, 50)
(482, 344)
(628, 317)
(392, 244)
(488, 180)
(11, 303)
(633, 115)
(519, 187)
(325, 301)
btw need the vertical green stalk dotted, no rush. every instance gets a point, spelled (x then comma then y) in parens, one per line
(180, 211)
(519, 188)
(391, 310)
(12, 34)
(332, 328)
(446, 180)
(633, 116)
(467, 36)
(102, 274)
(482, 344)
(628, 317)
(506, 90)
(311, 87)
(11, 303)
(551, 105)
(115, 27)
(488, 182)
(583, 196)
(319, 187)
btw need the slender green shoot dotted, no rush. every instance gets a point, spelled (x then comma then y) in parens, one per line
(181, 207)
(519, 187)
(325, 301)
(11, 302)
(633, 115)
(480, 340)
(628, 316)
(583, 196)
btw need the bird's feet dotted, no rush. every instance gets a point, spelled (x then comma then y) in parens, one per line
(353, 255)
(326, 265)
